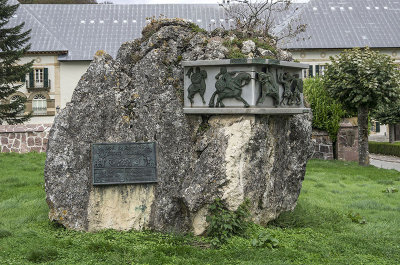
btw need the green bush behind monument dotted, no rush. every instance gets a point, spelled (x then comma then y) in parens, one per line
(327, 112)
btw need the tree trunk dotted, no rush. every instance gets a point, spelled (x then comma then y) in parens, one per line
(391, 133)
(363, 159)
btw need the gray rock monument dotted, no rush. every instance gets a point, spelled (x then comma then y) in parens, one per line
(139, 98)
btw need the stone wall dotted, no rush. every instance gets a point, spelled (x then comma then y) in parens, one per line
(323, 148)
(347, 140)
(24, 138)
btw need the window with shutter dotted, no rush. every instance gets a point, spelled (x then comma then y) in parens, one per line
(39, 77)
(46, 78)
(31, 79)
(310, 71)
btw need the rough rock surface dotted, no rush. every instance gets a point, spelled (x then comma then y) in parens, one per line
(248, 46)
(284, 55)
(137, 97)
(264, 52)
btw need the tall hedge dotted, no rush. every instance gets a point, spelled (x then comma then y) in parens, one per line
(327, 112)
(384, 148)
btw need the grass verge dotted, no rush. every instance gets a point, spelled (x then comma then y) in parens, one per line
(321, 230)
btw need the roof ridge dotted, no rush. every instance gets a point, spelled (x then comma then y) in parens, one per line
(44, 26)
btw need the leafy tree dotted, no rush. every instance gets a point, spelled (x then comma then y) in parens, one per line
(361, 79)
(13, 45)
(327, 112)
(257, 18)
(390, 115)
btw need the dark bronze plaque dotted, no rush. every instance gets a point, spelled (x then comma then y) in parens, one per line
(126, 163)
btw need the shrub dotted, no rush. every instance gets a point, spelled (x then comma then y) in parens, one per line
(265, 240)
(327, 112)
(384, 148)
(224, 223)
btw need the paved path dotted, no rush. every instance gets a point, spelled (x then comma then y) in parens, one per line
(387, 162)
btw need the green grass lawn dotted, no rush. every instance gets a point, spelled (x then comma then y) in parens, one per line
(319, 231)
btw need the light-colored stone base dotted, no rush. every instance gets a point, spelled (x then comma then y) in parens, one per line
(121, 207)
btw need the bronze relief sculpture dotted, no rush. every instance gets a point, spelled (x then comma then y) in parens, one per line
(292, 88)
(297, 89)
(229, 85)
(198, 83)
(268, 88)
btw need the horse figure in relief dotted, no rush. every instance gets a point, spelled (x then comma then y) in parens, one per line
(229, 85)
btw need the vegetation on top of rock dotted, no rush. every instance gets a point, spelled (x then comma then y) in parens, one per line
(232, 43)
(258, 19)
(241, 48)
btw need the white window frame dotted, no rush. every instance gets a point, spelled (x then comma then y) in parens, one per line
(39, 77)
(39, 105)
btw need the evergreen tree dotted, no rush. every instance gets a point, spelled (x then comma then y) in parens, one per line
(13, 45)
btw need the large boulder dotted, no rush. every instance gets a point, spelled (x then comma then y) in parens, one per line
(138, 97)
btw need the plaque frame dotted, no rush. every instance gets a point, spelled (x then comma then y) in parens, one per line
(155, 152)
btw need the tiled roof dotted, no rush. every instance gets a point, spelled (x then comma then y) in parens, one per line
(84, 29)
(350, 23)
(41, 39)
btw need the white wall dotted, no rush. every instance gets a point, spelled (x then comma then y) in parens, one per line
(321, 56)
(70, 73)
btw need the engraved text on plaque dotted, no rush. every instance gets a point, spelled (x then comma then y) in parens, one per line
(124, 163)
